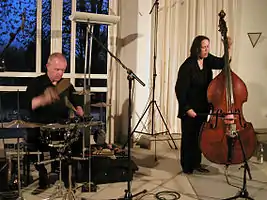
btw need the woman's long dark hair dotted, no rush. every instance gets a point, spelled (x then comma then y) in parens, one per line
(196, 45)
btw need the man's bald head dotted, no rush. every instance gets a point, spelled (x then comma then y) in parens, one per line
(56, 66)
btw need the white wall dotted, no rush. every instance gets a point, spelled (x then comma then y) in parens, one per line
(133, 45)
(252, 62)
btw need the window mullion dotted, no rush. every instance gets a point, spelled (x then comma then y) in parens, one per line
(56, 25)
(38, 35)
(73, 43)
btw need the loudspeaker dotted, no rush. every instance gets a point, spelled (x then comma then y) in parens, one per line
(107, 170)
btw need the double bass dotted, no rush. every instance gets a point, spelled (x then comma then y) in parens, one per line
(227, 138)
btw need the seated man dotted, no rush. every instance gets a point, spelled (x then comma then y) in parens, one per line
(47, 106)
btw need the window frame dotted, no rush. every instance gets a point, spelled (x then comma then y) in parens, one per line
(55, 5)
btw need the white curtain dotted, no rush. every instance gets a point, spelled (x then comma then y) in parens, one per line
(179, 22)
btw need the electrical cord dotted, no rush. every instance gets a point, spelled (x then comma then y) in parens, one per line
(227, 179)
(167, 195)
(163, 195)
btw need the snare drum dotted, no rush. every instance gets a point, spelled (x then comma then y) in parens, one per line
(53, 134)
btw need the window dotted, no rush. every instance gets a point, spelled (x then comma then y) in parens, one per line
(17, 41)
(25, 44)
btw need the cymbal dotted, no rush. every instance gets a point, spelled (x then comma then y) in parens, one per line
(100, 105)
(83, 92)
(55, 126)
(20, 124)
(89, 124)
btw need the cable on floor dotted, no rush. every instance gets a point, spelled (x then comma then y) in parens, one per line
(163, 195)
(167, 195)
(227, 179)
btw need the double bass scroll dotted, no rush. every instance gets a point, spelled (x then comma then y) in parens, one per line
(220, 137)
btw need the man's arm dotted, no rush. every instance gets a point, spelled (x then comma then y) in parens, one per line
(36, 100)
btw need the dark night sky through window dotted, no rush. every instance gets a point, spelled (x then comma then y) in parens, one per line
(18, 48)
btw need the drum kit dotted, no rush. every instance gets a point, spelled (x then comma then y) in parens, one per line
(56, 135)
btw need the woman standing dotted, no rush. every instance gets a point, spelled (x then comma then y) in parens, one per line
(192, 83)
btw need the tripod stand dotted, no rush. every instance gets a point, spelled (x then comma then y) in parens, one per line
(153, 102)
(243, 193)
(60, 185)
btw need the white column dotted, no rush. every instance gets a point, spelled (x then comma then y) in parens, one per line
(134, 50)
(73, 43)
(143, 61)
(56, 25)
(39, 36)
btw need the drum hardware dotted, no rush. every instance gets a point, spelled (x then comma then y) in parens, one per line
(61, 136)
(20, 124)
(83, 92)
(60, 185)
(100, 105)
(56, 135)
(19, 180)
(69, 194)
(56, 145)
(69, 104)
(15, 178)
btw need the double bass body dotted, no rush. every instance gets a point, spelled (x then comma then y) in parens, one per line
(227, 138)
(216, 144)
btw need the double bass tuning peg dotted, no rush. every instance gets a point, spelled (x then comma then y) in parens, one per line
(222, 14)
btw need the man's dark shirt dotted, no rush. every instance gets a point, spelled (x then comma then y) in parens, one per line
(52, 113)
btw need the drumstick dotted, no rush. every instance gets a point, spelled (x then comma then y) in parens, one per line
(69, 104)
(62, 85)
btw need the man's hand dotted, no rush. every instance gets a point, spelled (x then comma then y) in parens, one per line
(79, 111)
(191, 113)
(50, 95)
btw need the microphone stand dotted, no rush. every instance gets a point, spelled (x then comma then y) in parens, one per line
(153, 103)
(131, 76)
(243, 193)
(12, 37)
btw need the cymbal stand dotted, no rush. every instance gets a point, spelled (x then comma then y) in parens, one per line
(87, 86)
(69, 195)
(1, 112)
(20, 197)
(60, 185)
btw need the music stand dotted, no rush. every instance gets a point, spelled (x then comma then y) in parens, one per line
(91, 19)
